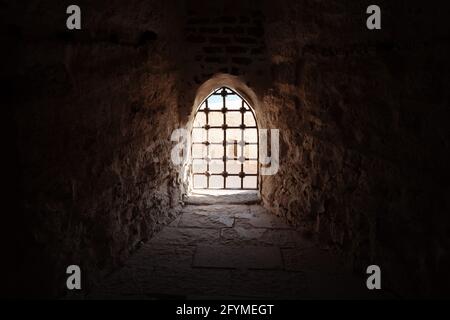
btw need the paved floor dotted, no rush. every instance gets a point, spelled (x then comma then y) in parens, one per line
(204, 197)
(231, 251)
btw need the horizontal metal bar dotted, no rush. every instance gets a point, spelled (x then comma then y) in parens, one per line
(220, 94)
(221, 143)
(221, 159)
(225, 188)
(228, 127)
(228, 175)
(220, 110)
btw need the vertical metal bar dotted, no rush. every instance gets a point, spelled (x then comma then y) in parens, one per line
(207, 139)
(224, 141)
(242, 143)
(257, 154)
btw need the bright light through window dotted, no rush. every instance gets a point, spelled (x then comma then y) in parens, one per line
(225, 143)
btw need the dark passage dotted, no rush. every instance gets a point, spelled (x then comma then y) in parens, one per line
(363, 148)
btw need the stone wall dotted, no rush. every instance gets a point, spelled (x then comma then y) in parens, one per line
(363, 135)
(95, 109)
(224, 40)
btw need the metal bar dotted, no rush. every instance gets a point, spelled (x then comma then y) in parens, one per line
(230, 174)
(230, 127)
(224, 141)
(218, 110)
(242, 147)
(220, 143)
(207, 146)
(226, 189)
(228, 158)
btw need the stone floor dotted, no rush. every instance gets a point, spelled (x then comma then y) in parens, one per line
(231, 251)
(223, 196)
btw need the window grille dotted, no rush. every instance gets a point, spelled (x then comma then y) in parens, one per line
(225, 142)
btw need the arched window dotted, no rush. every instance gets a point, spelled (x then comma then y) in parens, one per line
(224, 143)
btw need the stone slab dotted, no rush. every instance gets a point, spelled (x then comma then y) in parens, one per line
(201, 219)
(222, 209)
(204, 198)
(239, 236)
(186, 236)
(237, 257)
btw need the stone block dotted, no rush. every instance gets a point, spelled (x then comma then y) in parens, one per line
(237, 257)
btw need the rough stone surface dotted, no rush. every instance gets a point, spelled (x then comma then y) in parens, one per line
(237, 257)
(209, 197)
(362, 144)
(205, 220)
(93, 136)
(199, 266)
